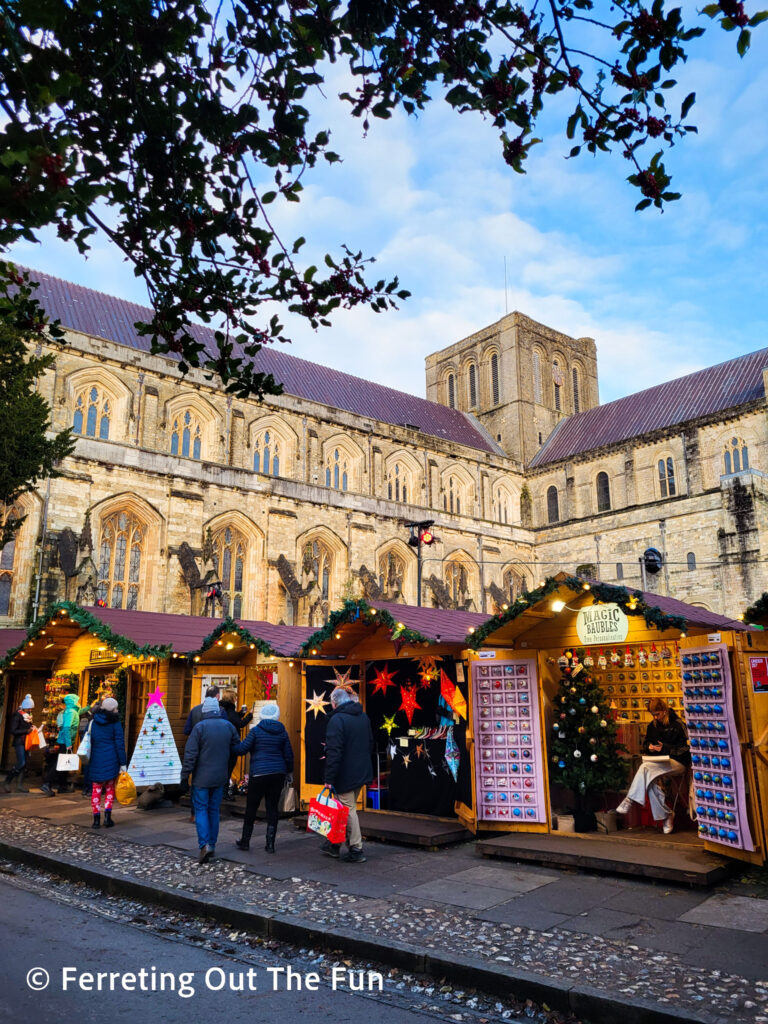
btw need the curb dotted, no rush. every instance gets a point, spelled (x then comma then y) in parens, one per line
(583, 1001)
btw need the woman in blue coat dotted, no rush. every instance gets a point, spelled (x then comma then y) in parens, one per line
(107, 759)
(271, 760)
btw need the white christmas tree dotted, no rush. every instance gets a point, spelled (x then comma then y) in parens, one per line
(155, 758)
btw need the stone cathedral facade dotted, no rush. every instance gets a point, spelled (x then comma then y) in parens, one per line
(297, 502)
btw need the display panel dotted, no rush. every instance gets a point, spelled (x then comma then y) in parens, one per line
(631, 675)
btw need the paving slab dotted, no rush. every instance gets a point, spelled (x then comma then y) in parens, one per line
(654, 900)
(505, 877)
(602, 921)
(725, 911)
(457, 894)
(728, 950)
(668, 936)
(528, 917)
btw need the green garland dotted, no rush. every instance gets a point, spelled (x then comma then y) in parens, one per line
(94, 625)
(631, 603)
(355, 611)
(229, 625)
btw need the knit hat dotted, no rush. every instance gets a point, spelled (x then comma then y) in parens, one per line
(269, 713)
(27, 704)
(210, 704)
(109, 704)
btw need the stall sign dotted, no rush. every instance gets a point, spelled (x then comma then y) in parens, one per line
(602, 624)
(98, 655)
(758, 669)
(486, 655)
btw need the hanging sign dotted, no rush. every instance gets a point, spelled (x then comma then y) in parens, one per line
(602, 624)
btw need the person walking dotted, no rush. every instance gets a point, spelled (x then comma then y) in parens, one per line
(349, 752)
(239, 719)
(271, 761)
(20, 727)
(86, 717)
(108, 759)
(206, 758)
(67, 722)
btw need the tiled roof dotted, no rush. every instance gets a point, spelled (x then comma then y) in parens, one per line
(451, 626)
(693, 615)
(10, 639)
(708, 391)
(103, 316)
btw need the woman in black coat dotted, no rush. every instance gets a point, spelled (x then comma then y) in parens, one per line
(239, 719)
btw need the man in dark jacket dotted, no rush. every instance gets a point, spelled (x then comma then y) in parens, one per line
(349, 752)
(196, 712)
(206, 756)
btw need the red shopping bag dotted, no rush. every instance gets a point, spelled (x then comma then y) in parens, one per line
(328, 816)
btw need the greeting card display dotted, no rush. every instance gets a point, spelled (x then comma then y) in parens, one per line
(718, 774)
(508, 755)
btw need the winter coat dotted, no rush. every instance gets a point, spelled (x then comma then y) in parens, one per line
(270, 749)
(195, 715)
(107, 746)
(21, 724)
(672, 737)
(68, 721)
(348, 748)
(209, 748)
(233, 715)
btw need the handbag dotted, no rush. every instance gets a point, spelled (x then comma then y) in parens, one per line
(287, 803)
(84, 750)
(125, 789)
(328, 816)
(32, 739)
(67, 763)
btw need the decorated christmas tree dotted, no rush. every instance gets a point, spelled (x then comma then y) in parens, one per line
(584, 752)
(155, 758)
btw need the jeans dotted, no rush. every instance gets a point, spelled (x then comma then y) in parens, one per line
(206, 803)
(19, 748)
(354, 835)
(268, 786)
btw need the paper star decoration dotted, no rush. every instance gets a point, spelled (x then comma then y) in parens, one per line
(409, 705)
(382, 680)
(428, 670)
(419, 750)
(342, 681)
(317, 703)
(156, 697)
(389, 724)
(406, 759)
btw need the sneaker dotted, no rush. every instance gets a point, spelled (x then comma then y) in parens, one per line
(46, 790)
(625, 806)
(669, 823)
(331, 849)
(355, 857)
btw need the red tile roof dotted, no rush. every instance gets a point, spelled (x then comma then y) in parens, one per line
(450, 626)
(103, 316)
(703, 393)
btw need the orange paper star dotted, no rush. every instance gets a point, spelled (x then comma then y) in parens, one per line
(428, 670)
(342, 681)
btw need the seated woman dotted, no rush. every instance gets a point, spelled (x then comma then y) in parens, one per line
(665, 737)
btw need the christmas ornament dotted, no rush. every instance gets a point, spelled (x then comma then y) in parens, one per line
(389, 724)
(654, 657)
(409, 703)
(615, 657)
(629, 661)
(642, 657)
(593, 757)
(589, 661)
(577, 753)
(602, 661)
(317, 703)
(382, 680)
(603, 723)
(594, 709)
(452, 754)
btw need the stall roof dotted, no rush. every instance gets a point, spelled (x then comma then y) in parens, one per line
(437, 624)
(10, 639)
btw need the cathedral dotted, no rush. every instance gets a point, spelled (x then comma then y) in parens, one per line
(180, 498)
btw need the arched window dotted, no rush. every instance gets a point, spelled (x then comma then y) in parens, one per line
(691, 559)
(392, 575)
(503, 506)
(495, 393)
(603, 492)
(736, 455)
(667, 486)
(472, 385)
(576, 390)
(186, 435)
(266, 454)
(553, 505)
(337, 471)
(513, 584)
(557, 383)
(398, 483)
(451, 391)
(317, 566)
(92, 413)
(231, 549)
(453, 495)
(7, 560)
(536, 377)
(619, 571)
(457, 582)
(121, 549)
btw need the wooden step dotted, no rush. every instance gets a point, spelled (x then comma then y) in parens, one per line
(409, 829)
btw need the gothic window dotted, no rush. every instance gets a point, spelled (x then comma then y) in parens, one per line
(537, 378)
(231, 549)
(457, 582)
(7, 559)
(576, 392)
(398, 483)
(557, 381)
(735, 455)
(266, 454)
(186, 435)
(92, 413)
(453, 496)
(337, 471)
(512, 584)
(691, 560)
(391, 575)
(318, 564)
(123, 539)
(451, 391)
(472, 385)
(667, 487)
(553, 505)
(503, 507)
(603, 492)
(495, 379)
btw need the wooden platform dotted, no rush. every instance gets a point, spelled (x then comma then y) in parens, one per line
(423, 831)
(677, 858)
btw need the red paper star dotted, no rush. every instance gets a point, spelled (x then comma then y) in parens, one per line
(383, 680)
(156, 697)
(409, 704)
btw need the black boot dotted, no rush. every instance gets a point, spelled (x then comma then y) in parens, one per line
(269, 846)
(242, 844)
(96, 821)
(20, 787)
(108, 823)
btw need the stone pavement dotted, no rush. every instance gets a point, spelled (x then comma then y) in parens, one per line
(600, 947)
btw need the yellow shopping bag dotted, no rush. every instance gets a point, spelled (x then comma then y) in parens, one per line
(125, 790)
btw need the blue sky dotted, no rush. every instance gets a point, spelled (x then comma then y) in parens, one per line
(433, 201)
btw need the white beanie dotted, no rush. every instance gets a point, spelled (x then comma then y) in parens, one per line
(109, 704)
(27, 704)
(269, 713)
